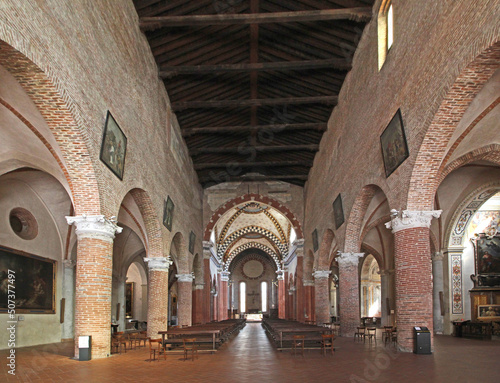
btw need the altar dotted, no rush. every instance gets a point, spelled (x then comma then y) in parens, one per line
(253, 317)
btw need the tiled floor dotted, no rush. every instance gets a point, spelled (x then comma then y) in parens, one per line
(250, 357)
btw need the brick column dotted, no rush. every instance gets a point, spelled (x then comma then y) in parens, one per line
(413, 273)
(291, 303)
(207, 253)
(286, 282)
(185, 299)
(437, 287)
(223, 293)
(300, 306)
(309, 314)
(349, 292)
(321, 296)
(157, 294)
(94, 267)
(198, 303)
(281, 294)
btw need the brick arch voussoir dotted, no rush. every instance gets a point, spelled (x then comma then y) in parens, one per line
(257, 198)
(59, 113)
(151, 222)
(367, 249)
(324, 250)
(352, 241)
(432, 152)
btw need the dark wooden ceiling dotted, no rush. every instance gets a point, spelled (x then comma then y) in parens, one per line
(253, 82)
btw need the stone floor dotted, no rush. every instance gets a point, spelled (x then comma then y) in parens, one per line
(250, 357)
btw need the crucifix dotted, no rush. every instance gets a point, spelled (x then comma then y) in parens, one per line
(253, 295)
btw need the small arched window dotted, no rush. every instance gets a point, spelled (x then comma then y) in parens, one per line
(243, 297)
(385, 31)
(263, 292)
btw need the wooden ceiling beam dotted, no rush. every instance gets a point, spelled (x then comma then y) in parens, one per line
(360, 14)
(245, 164)
(182, 105)
(228, 178)
(168, 71)
(318, 126)
(237, 149)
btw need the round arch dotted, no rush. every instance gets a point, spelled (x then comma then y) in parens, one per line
(323, 262)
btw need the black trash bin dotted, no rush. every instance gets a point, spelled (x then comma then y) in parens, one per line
(421, 340)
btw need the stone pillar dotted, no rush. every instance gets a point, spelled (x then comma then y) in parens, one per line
(437, 287)
(291, 300)
(300, 306)
(118, 297)
(94, 267)
(349, 292)
(386, 285)
(224, 297)
(281, 294)
(207, 279)
(185, 299)
(322, 296)
(157, 294)
(68, 292)
(413, 273)
(309, 314)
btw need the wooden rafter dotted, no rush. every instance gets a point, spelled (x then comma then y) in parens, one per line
(182, 105)
(360, 14)
(233, 149)
(245, 164)
(256, 177)
(317, 126)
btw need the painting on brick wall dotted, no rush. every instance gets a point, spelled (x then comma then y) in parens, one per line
(168, 213)
(315, 240)
(27, 283)
(394, 146)
(114, 146)
(338, 212)
(192, 240)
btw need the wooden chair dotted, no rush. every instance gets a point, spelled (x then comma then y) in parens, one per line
(121, 338)
(156, 347)
(327, 343)
(394, 336)
(386, 334)
(117, 341)
(371, 333)
(298, 342)
(190, 346)
(336, 329)
(360, 333)
(142, 337)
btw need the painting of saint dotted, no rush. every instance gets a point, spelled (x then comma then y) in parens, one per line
(114, 146)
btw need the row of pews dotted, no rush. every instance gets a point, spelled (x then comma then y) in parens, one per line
(281, 332)
(209, 336)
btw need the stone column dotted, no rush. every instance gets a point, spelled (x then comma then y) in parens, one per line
(224, 285)
(309, 313)
(157, 294)
(207, 279)
(291, 300)
(281, 294)
(94, 267)
(437, 287)
(185, 299)
(349, 292)
(118, 297)
(322, 296)
(300, 306)
(68, 327)
(386, 285)
(413, 273)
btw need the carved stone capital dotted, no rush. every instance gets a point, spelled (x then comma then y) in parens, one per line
(184, 277)
(408, 219)
(349, 259)
(308, 283)
(69, 263)
(321, 274)
(437, 256)
(158, 263)
(224, 276)
(386, 273)
(280, 275)
(94, 226)
(199, 286)
(298, 243)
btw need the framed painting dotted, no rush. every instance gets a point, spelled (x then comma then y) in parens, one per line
(114, 146)
(129, 299)
(315, 240)
(33, 279)
(394, 145)
(338, 212)
(192, 239)
(486, 312)
(168, 214)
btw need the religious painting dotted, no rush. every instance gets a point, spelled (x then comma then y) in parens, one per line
(315, 240)
(27, 282)
(338, 212)
(168, 214)
(192, 239)
(394, 146)
(129, 299)
(114, 146)
(485, 312)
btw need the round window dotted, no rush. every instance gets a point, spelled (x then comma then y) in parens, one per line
(23, 223)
